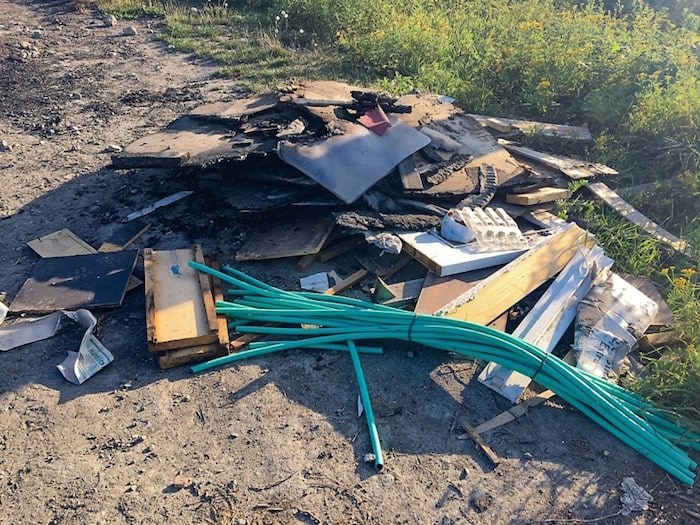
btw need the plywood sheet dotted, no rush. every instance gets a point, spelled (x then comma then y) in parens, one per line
(440, 291)
(350, 164)
(61, 243)
(189, 142)
(292, 238)
(79, 281)
(124, 236)
(236, 109)
(176, 316)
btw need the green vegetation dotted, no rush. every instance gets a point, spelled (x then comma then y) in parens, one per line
(628, 70)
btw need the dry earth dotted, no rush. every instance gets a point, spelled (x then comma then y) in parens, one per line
(273, 440)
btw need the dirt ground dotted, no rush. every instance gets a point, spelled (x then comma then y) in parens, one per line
(273, 440)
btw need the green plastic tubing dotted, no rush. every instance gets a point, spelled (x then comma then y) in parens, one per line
(318, 319)
(367, 405)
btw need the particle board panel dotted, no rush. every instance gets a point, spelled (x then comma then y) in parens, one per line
(440, 291)
(533, 127)
(176, 316)
(289, 239)
(97, 280)
(237, 109)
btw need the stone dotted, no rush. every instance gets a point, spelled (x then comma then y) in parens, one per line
(110, 21)
(130, 31)
(36, 35)
(369, 458)
(5, 147)
(113, 148)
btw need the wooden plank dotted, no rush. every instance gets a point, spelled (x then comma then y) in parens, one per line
(306, 261)
(347, 282)
(61, 243)
(339, 248)
(149, 290)
(207, 291)
(289, 239)
(481, 444)
(236, 109)
(97, 280)
(504, 288)
(221, 319)
(186, 356)
(629, 212)
(533, 127)
(572, 168)
(410, 176)
(546, 322)
(539, 196)
(445, 259)
(395, 268)
(124, 236)
(174, 295)
(513, 413)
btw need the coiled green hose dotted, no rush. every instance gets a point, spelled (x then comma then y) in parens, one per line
(320, 320)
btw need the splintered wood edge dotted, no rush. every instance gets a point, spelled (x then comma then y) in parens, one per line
(207, 293)
(222, 320)
(149, 287)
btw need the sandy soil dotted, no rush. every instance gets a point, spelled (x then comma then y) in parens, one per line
(274, 440)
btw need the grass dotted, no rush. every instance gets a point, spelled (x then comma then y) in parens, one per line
(630, 71)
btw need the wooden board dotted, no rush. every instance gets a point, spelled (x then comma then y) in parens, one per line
(289, 239)
(190, 142)
(446, 259)
(186, 356)
(61, 243)
(533, 127)
(124, 236)
(237, 109)
(410, 177)
(347, 282)
(629, 212)
(176, 316)
(539, 196)
(549, 318)
(78, 281)
(572, 168)
(504, 288)
(440, 291)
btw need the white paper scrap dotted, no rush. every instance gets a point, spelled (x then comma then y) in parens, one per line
(317, 282)
(92, 356)
(3, 312)
(79, 366)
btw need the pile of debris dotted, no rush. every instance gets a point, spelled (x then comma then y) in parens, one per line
(340, 167)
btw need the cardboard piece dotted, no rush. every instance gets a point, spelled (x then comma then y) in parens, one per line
(96, 280)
